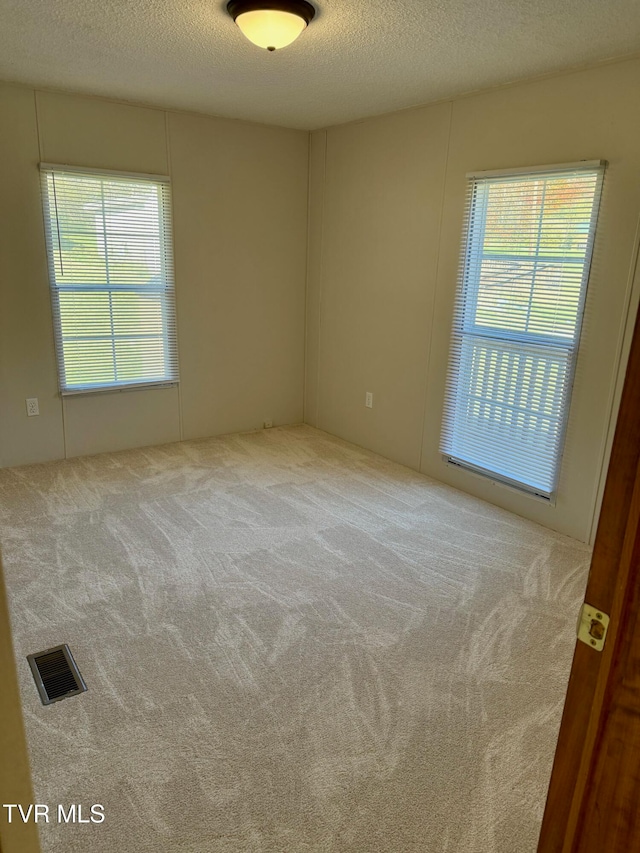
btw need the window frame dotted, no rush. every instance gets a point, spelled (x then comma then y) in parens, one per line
(465, 326)
(166, 290)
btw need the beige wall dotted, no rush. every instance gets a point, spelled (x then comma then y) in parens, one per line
(239, 198)
(240, 206)
(386, 216)
(382, 200)
(315, 217)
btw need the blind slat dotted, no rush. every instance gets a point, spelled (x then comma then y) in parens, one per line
(109, 246)
(523, 276)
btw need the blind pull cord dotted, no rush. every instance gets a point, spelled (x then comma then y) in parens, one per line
(55, 204)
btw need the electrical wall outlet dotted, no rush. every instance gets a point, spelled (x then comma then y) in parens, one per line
(32, 406)
(268, 424)
(368, 400)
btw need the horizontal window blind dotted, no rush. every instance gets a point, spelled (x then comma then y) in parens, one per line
(522, 283)
(109, 244)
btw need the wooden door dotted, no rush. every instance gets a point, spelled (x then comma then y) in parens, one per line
(594, 793)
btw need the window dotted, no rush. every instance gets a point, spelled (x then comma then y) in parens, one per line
(516, 329)
(111, 273)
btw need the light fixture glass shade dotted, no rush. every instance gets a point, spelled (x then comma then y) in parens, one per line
(271, 28)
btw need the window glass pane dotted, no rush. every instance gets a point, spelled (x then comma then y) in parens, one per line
(139, 359)
(85, 314)
(499, 306)
(137, 313)
(88, 361)
(528, 253)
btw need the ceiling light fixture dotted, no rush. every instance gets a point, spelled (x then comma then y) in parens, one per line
(271, 23)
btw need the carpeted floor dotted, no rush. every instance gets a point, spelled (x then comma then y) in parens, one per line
(291, 645)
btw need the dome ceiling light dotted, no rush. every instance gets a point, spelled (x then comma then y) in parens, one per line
(271, 23)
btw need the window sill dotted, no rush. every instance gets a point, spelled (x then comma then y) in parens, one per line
(495, 480)
(118, 389)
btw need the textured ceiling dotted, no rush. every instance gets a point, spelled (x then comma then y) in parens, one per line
(357, 58)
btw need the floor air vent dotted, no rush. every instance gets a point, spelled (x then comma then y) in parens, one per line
(56, 674)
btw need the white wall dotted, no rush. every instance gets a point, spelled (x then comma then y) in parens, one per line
(240, 206)
(386, 210)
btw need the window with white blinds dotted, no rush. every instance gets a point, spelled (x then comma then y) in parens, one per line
(521, 290)
(109, 246)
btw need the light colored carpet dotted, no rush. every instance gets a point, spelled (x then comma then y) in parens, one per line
(291, 644)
